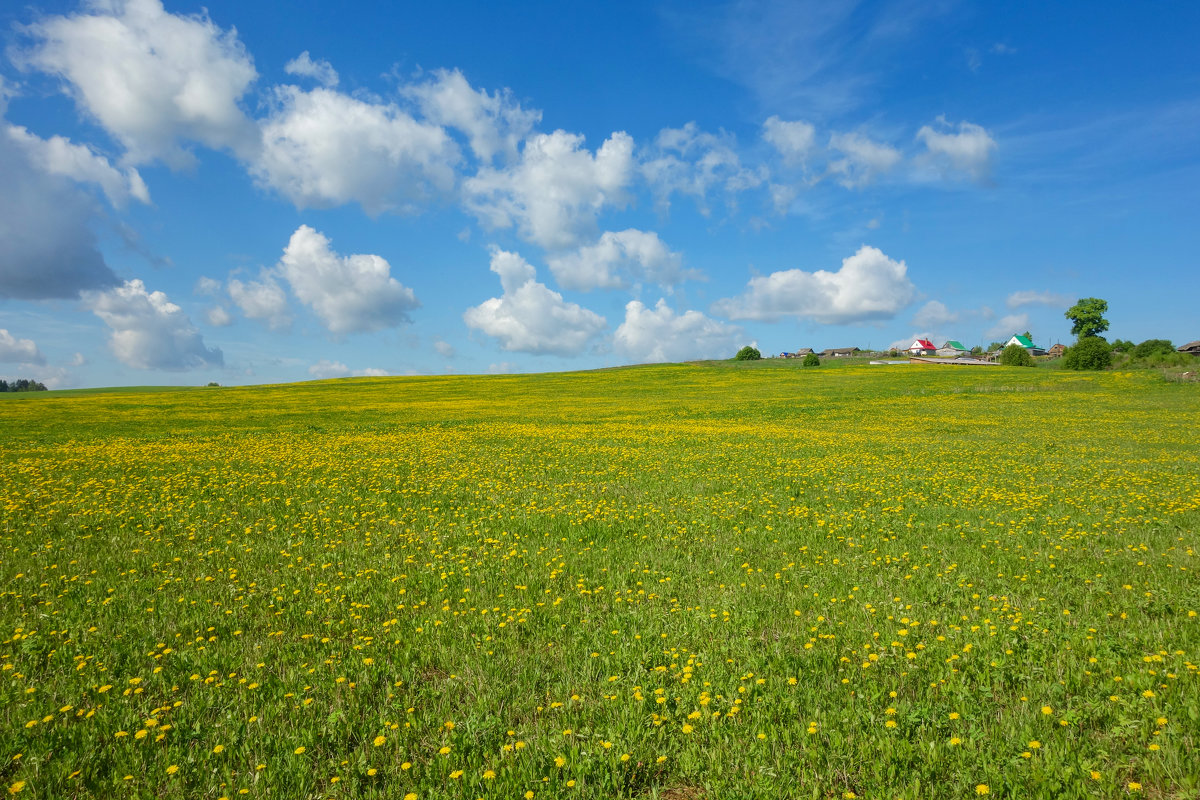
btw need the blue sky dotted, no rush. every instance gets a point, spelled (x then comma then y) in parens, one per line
(270, 192)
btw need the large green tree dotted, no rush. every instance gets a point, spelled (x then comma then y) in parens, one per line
(1088, 317)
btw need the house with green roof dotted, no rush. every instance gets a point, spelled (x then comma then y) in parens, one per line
(1027, 343)
(952, 349)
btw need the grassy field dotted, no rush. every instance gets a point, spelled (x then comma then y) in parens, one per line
(700, 581)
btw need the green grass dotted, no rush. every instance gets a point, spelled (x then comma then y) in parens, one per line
(751, 579)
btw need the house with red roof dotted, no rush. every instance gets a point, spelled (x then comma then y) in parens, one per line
(922, 347)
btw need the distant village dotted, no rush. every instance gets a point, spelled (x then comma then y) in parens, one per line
(923, 348)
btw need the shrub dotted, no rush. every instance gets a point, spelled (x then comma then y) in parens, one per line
(748, 353)
(811, 360)
(1090, 352)
(1153, 347)
(1016, 356)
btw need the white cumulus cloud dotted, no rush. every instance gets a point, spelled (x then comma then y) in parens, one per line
(319, 70)
(149, 331)
(47, 248)
(793, 139)
(555, 191)
(322, 149)
(218, 317)
(349, 293)
(935, 314)
(967, 150)
(59, 156)
(659, 334)
(21, 351)
(692, 162)
(1008, 325)
(263, 299)
(618, 260)
(325, 369)
(863, 159)
(529, 317)
(153, 79)
(494, 124)
(868, 286)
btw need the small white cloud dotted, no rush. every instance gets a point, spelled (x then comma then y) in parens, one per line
(934, 314)
(618, 260)
(1035, 298)
(969, 150)
(868, 286)
(77, 360)
(350, 294)
(445, 349)
(691, 162)
(554, 193)
(530, 318)
(325, 369)
(794, 140)
(58, 156)
(207, 287)
(151, 78)
(21, 351)
(502, 368)
(149, 331)
(371, 372)
(321, 70)
(659, 334)
(218, 317)
(863, 160)
(1008, 325)
(494, 124)
(263, 299)
(323, 149)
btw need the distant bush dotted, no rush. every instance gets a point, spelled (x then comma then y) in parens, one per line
(22, 385)
(748, 353)
(214, 385)
(1122, 345)
(811, 360)
(1089, 353)
(1153, 347)
(1016, 356)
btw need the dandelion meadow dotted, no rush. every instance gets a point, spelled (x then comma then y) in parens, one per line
(708, 580)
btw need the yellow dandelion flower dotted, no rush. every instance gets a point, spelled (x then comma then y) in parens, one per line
(982, 789)
(16, 787)
(688, 729)
(379, 740)
(171, 770)
(489, 774)
(299, 750)
(371, 772)
(456, 774)
(219, 748)
(891, 723)
(1047, 710)
(1035, 744)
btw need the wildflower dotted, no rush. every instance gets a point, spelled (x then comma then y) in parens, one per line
(891, 723)
(1047, 710)
(456, 774)
(379, 740)
(16, 787)
(219, 748)
(687, 728)
(559, 761)
(371, 772)
(444, 751)
(982, 789)
(171, 770)
(410, 796)
(955, 741)
(489, 774)
(299, 750)
(1134, 786)
(1035, 744)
